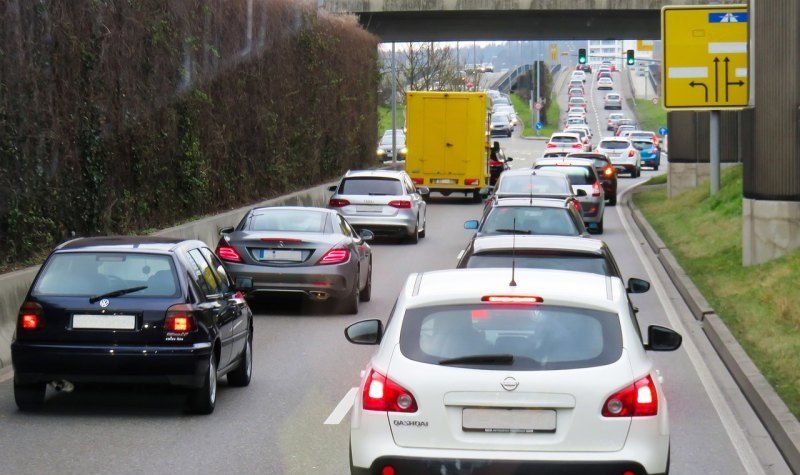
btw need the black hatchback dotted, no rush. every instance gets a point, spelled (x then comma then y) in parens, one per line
(142, 310)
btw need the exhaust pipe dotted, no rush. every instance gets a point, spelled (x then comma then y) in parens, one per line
(62, 386)
(316, 294)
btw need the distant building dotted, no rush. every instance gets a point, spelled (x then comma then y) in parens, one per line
(605, 50)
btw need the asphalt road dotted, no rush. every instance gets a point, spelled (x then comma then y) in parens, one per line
(293, 419)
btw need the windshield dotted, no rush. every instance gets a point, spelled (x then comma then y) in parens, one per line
(399, 141)
(290, 220)
(536, 184)
(537, 338)
(94, 273)
(529, 220)
(613, 145)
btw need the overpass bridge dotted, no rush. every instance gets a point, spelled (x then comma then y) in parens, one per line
(445, 20)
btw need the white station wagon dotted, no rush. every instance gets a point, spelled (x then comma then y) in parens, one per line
(480, 371)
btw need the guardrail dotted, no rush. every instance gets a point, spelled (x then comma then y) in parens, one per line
(503, 84)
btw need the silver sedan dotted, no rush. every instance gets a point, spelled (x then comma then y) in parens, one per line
(313, 252)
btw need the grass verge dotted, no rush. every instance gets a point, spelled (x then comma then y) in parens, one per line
(758, 303)
(650, 116)
(385, 118)
(524, 113)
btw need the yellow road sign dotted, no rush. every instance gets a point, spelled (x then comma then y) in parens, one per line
(705, 57)
(644, 45)
(553, 51)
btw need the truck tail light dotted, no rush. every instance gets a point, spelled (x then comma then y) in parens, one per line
(337, 203)
(30, 316)
(180, 319)
(228, 253)
(382, 394)
(471, 181)
(637, 400)
(418, 181)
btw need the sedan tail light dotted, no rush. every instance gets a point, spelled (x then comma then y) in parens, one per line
(180, 319)
(30, 316)
(337, 203)
(401, 204)
(596, 189)
(335, 256)
(637, 400)
(577, 205)
(382, 394)
(577, 145)
(228, 253)
(551, 145)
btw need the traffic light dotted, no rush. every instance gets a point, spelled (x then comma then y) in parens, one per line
(631, 60)
(582, 56)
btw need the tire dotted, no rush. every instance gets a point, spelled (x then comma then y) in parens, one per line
(638, 171)
(29, 397)
(424, 227)
(202, 400)
(349, 304)
(655, 167)
(366, 294)
(613, 200)
(476, 196)
(599, 229)
(240, 377)
(413, 238)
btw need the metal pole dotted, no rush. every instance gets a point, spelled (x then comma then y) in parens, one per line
(538, 82)
(394, 109)
(714, 152)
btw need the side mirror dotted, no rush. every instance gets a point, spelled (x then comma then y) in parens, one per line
(365, 332)
(662, 339)
(471, 224)
(581, 193)
(244, 284)
(509, 159)
(366, 235)
(637, 286)
(333, 188)
(226, 230)
(423, 190)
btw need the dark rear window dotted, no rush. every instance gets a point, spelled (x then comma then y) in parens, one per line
(563, 139)
(643, 144)
(371, 186)
(591, 263)
(289, 220)
(613, 145)
(536, 184)
(576, 174)
(95, 273)
(538, 337)
(529, 220)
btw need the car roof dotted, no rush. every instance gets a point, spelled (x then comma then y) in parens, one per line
(455, 286)
(125, 244)
(295, 208)
(519, 201)
(397, 174)
(566, 160)
(524, 242)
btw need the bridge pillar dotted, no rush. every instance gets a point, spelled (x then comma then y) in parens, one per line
(771, 208)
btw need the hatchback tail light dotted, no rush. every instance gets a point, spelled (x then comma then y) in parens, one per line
(637, 400)
(577, 145)
(228, 253)
(631, 153)
(596, 189)
(337, 203)
(401, 204)
(30, 316)
(180, 319)
(551, 145)
(382, 394)
(335, 256)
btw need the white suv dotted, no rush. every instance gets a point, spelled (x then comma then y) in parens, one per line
(487, 371)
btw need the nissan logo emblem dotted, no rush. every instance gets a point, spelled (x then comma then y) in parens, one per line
(509, 384)
(104, 303)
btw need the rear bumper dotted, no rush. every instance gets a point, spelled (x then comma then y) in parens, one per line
(418, 466)
(42, 362)
(317, 282)
(402, 224)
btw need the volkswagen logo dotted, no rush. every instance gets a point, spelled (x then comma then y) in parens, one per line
(104, 303)
(509, 384)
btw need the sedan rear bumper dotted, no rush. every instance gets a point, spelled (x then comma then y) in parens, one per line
(43, 362)
(401, 225)
(318, 282)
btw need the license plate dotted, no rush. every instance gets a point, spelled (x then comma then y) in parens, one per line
(369, 209)
(444, 181)
(280, 255)
(104, 322)
(509, 420)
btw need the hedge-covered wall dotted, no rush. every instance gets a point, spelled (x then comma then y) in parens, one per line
(121, 116)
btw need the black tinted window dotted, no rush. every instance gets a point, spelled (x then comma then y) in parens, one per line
(371, 186)
(528, 260)
(613, 145)
(564, 139)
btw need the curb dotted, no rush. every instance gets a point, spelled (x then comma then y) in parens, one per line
(780, 423)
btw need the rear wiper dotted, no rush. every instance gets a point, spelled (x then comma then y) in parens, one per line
(116, 293)
(503, 358)
(512, 231)
(378, 194)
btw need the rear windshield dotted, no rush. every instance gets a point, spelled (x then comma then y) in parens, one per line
(536, 184)
(577, 100)
(95, 273)
(642, 144)
(642, 136)
(537, 338)
(612, 97)
(563, 139)
(290, 220)
(399, 141)
(613, 145)
(577, 175)
(590, 263)
(371, 186)
(529, 220)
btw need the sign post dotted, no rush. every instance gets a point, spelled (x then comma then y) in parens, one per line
(706, 64)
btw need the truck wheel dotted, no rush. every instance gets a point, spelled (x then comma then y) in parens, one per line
(476, 196)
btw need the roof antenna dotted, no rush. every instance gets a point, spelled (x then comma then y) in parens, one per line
(513, 282)
(530, 188)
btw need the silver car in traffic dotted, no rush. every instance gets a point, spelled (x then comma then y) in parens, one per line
(582, 176)
(384, 201)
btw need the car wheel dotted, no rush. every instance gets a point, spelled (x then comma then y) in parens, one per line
(413, 238)
(350, 303)
(29, 397)
(366, 293)
(655, 167)
(510, 132)
(424, 230)
(599, 229)
(638, 171)
(203, 399)
(241, 375)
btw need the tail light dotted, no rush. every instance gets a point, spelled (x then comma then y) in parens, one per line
(637, 400)
(519, 299)
(631, 153)
(577, 145)
(337, 203)
(471, 181)
(228, 253)
(383, 394)
(335, 256)
(30, 316)
(180, 319)
(401, 204)
(608, 171)
(418, 181)
(577, 205)
(551, 145)
(596, 189)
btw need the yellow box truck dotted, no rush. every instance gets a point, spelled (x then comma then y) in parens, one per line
(447, 141)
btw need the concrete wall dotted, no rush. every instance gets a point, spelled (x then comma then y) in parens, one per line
(770, 229)
(688, 176)
(14, 286)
